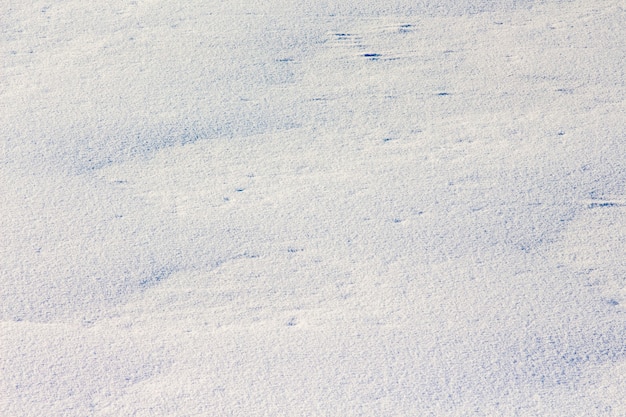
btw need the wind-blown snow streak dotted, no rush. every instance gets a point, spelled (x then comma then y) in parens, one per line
(414, 208)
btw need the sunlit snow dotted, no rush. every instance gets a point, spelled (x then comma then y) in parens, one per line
(404, 208)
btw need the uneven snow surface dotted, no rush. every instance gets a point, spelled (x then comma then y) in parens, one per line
(229, 208)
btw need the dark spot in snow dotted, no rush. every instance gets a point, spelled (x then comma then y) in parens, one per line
(396, 220)
(560, 133)
(239, 190)
(443, 93)
(371, 55)
(157, 276)
(605, 204)
(613, 302)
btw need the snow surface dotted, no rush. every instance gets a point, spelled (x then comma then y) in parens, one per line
(408, 208)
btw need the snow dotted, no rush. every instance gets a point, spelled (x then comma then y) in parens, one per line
(317, 209)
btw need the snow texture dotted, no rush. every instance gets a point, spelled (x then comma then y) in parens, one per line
(402, 208)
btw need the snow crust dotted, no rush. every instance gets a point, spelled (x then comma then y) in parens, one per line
(312, 209)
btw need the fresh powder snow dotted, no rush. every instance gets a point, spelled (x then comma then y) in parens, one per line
(358, 208)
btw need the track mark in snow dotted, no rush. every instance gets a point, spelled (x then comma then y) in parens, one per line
(372, 56)
(367, 38)
(604, 203)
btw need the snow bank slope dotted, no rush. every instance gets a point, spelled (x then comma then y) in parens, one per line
(343, 209)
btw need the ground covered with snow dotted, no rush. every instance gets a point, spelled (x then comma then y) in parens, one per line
(404, 208)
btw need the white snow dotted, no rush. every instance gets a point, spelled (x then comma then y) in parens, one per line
(318, 209)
